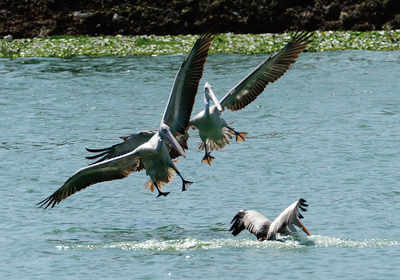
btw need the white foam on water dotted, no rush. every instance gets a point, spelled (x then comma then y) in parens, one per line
(316, 241)
(330, 241)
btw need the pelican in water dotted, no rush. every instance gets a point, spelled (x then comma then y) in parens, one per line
(265, 229)
(214, 131)
(154, 149)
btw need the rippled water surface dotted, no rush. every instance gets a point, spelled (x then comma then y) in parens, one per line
(328, 131)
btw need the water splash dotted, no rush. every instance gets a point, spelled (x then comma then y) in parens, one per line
(328, 241)
(316, 241)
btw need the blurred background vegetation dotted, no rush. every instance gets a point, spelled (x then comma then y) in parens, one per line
(42, 18)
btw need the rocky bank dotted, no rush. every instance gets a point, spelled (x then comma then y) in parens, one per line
(39, 18)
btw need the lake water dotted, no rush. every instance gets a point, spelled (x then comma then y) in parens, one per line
(328, 131)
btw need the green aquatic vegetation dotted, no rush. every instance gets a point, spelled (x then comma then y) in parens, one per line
(70, 46)
(10, 50)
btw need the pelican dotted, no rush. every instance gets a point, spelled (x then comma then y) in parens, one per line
(187, 80)
(152, 151)
(214, 131)
(263, 228)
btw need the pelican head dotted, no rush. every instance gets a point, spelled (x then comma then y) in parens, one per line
(166, 135)
(209, 94)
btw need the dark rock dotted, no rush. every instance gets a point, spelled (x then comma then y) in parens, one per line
(56, 17)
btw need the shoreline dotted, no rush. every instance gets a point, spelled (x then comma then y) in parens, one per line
(153, 45)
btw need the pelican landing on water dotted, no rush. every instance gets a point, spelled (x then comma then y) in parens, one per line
(213, 129)
(153, 150)
(263, 228)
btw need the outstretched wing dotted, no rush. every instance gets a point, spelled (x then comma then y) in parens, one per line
(130, 143)
(115, 168)
(182, 96)
(287, 219)
(267, 72)
(253, 221)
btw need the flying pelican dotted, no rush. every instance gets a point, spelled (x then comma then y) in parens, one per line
(263, 228)
(213, 129)
(187, 80)
(153, 153)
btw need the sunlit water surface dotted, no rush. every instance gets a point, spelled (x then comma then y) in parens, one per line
(328, 131)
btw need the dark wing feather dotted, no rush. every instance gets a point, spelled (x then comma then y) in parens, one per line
(253, 221)
(130, 143)
(267, 72)
(182, 96)
(116, 168)
(237, 223)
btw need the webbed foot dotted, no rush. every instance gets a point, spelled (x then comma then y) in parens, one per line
(208, 159)
(160, 193)
(240, 136)
(186, 184)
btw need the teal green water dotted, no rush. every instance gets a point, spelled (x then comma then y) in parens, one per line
(328, 131)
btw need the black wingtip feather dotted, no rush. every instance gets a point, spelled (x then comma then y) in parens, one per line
(303, 202)
(103, 153)
(96, 150)
(303, 36)
(237, 223)
(47, 202)
(98, 155)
